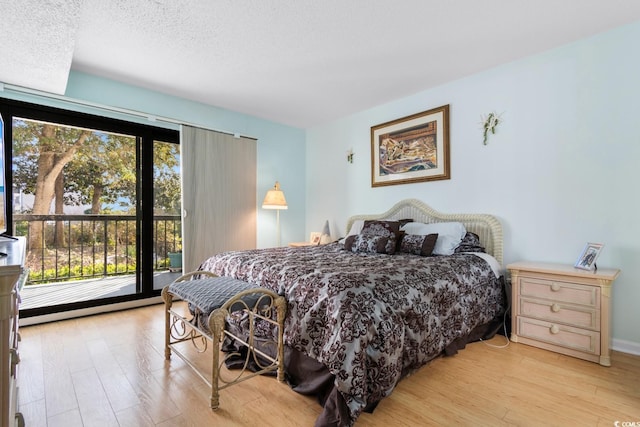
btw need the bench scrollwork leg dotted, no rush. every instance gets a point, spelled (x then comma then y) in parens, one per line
(168, 302)
(216, 325)
(281, 307)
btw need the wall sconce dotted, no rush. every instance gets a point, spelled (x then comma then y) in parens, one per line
(489, 124)
(350, 155)
(274, 199)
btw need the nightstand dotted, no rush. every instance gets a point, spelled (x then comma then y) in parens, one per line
(561, 308)
(301, 244)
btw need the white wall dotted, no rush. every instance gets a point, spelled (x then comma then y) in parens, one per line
(560, 172)
(280, 148)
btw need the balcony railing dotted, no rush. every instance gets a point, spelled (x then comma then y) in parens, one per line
(74, 247)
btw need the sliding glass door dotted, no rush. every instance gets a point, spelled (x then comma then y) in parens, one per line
(75, 199)
(77, 185)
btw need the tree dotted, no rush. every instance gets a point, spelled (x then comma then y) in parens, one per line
(72, 166)
(166, 178)
(56, 147)
(76, 166)
(103, 173)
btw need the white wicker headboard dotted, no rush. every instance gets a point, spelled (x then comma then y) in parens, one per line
(487, 227)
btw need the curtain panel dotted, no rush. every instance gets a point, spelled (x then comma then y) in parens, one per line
(218, 194)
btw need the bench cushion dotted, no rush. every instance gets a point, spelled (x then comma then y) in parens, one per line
(212, 292)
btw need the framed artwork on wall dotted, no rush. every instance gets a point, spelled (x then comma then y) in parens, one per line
(588, 257)
(411, 149)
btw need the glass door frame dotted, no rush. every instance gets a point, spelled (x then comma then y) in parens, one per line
(145, 137)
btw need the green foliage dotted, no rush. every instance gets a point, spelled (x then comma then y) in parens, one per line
(86, 248)
(66, 273)
(102, 170)
(98, 169)
(21, 228)
(166, 178)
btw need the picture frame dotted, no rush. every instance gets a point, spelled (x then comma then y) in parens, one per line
(588, 257)
(411, 149)
(314, 237)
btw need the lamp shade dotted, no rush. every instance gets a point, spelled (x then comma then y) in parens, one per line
(275, 198)
(325, 237)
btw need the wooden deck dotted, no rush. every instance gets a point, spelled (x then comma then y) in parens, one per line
(34, 296)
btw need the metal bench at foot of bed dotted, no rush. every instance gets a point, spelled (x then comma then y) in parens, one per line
(213, 299)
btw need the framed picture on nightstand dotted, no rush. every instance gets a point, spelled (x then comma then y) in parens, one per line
(588, 257)
(314, 238)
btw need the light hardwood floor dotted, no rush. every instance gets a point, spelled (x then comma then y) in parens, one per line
(109, 370)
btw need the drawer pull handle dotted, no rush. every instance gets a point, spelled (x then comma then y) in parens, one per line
(555, 308)
(555, 287)
(554, 329)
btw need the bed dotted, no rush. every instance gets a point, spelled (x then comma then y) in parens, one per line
(359, 318)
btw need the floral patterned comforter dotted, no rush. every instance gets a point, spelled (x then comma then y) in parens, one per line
(370, 318)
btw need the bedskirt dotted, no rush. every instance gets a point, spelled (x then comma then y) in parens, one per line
(309, 377)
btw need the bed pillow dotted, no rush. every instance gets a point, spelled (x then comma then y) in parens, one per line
(356, 227)
(450, 234)
(401, 233)
(388, 229)
(404, 221)
(366, 243)
(470, 243)
(417, 244)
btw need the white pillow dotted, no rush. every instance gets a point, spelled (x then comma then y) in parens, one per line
(356, 228)
(450, 234)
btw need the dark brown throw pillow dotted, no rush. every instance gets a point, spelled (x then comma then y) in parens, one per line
(388, 229)
(348, 242)
(470, 243)
(366, 243)
(417, 244)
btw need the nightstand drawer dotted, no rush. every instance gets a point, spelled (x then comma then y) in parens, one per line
(564, 309)
(572, 315)
(560, 291)
(566, 336)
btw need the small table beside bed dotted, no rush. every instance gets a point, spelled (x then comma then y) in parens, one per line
(402, 288)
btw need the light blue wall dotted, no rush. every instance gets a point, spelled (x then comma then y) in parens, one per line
(280, 148)
(561, 171)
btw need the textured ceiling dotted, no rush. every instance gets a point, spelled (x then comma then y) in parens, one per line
(302, 62)
(38, 37)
